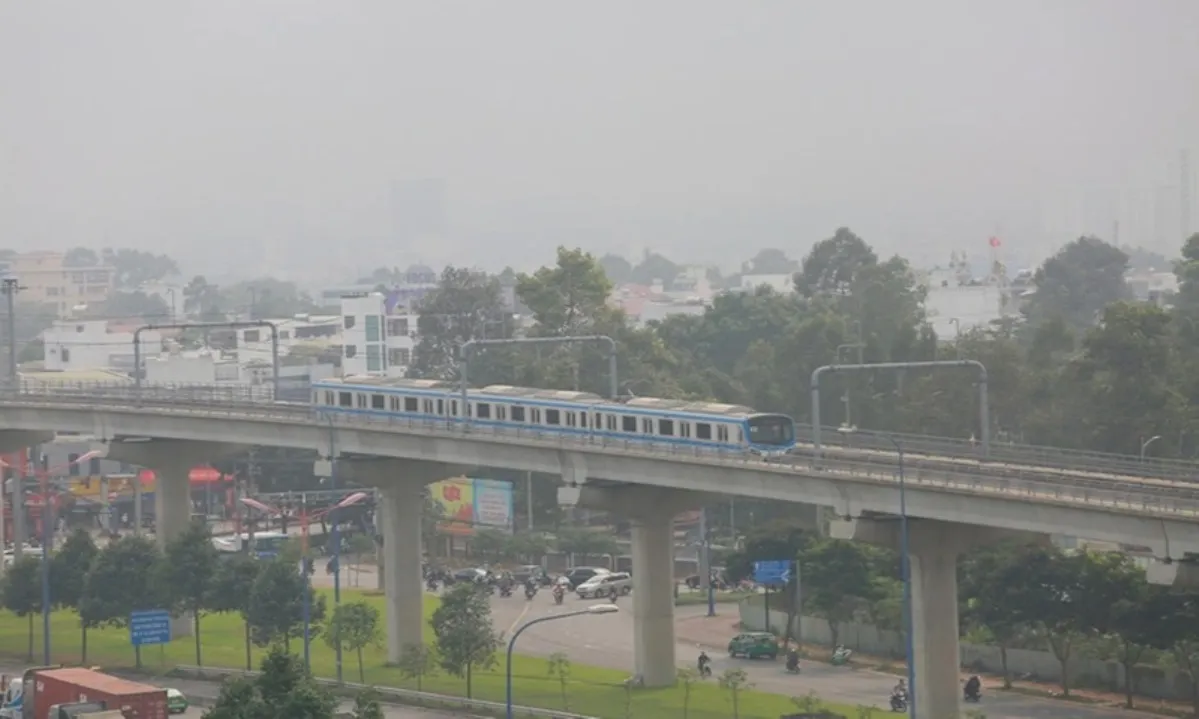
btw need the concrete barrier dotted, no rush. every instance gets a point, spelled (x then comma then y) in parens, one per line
(391, 695)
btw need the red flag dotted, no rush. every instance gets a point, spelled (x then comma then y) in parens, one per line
(994, 242)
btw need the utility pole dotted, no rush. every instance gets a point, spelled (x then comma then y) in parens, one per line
(10, 288)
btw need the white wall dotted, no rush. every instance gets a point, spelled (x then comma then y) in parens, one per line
(189, 369)
(88, 345)
(780, 283)
(373, 342)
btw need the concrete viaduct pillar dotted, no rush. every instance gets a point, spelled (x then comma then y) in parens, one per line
(651, 512)
(401, 485)
(15, 440)
(171, 461)
(933, 548)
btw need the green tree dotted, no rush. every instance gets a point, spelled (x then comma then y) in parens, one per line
(653, 267)
(1186, 270)
(81, 257)
(121, 581)
(466, 305)
(616, 268)
(687, 678)
(21, 591)
(768, 541)
(558, 666)
(266, 298)
(566, 299)
(465, 639)
(770, 261)
(68, 569)
(1077, 283)
(188, 572)
(1139, 623)
(276, 608)
(366, 706)
(735, 681)
(134, 303)
(1056, 597)
(833, 264)
(995, 591)
(837, 580)
(231, 590)
(283, 690)
(134, 268)
(417, 662)
(354, 626)
(489, 544)
(202, 300)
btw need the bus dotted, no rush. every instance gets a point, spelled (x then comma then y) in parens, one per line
(266, 545)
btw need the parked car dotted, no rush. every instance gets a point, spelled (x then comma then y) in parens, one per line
(601, 585)
(471, 574)
(578, 575)
(534, 572)
(754, 645)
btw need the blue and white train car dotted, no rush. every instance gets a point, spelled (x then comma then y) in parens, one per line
(698, 425)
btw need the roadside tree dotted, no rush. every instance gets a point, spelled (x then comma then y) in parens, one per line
(121, 581)
(21, 592)
(417, 661)
(231, 589)
(465, 639)
(187, 574)
(68, 569)
(276, 608)
(354, 626)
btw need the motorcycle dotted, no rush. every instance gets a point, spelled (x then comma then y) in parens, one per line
(530, 592)
(559, 594)
(899, 702)
(505, 591)
(431, 585)
(972, 692)
(705, 666)
(841, 657)
(793, 664)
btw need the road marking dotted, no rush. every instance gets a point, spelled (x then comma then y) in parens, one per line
(516, 621)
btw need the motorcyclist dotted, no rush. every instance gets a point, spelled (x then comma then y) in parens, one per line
(792, 660)
(973, 687)
(900, 691)
(703, 662)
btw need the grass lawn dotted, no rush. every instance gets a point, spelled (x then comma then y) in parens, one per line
(592, 691)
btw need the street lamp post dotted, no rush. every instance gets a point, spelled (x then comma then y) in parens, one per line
(906, 567)
(1145, 445)
(594, 609)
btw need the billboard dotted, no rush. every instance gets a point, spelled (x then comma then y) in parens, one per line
(468, 504)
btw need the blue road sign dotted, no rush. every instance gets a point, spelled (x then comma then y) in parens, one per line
(775, 571)
(150, 626)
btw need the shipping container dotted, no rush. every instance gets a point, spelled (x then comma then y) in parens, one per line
(64, 686)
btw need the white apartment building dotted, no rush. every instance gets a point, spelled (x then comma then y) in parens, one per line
(254, 343)
(378, 336)
(784, 284)
(73, 345)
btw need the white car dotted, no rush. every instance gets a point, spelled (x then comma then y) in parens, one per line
(602, 585)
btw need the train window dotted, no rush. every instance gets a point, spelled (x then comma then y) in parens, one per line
(329, 397)
(553, 416)
(703, 430)
(599, 420)
(518, 413)
(393, 404)
(428, 406)
(535, 416)
(501, 412)
(628, 424)
(345, 399)
(441, 406)
(582, 419)
(362, 401)
(722, 433)
(378, 401)
(611, 419)
(454, 408)
(684, 429)
(482, 410)
(316, 397)
(737, 435)
(647, 425)
(411, 404)
(666, 427)
(570, 419)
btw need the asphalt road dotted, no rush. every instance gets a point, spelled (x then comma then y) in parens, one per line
(607, 640)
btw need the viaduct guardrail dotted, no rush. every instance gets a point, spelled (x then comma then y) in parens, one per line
(1157, 498)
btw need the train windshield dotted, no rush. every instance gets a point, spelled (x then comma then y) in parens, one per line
(776, 430)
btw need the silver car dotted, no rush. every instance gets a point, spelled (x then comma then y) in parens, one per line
(602, 585)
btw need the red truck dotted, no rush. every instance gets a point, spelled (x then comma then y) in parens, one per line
(52, 687)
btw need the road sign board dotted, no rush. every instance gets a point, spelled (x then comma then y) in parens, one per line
(150, 626)
(775, 571)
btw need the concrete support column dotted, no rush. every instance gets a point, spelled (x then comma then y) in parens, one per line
(401, 487)
(400, 509)
(653, 599)
(651, 512)
(933, 548)
(935, 629)
(171, 461)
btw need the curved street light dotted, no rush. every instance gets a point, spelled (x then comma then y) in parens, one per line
(593, 609)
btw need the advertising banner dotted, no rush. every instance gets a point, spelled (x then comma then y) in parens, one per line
(469, 504)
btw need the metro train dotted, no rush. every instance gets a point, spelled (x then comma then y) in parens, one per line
(649, 420)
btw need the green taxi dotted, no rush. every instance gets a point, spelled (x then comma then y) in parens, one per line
(176, 701)
(754, 645)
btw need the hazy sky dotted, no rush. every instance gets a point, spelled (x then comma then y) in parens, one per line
(228, 132)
